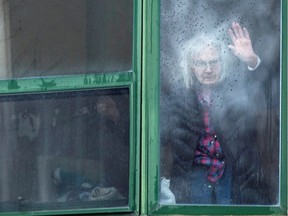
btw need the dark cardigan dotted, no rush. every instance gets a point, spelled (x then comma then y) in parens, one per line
(234, 122)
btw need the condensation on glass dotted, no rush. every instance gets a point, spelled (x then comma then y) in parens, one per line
(220, 119)
(64, 150)
(43, 38)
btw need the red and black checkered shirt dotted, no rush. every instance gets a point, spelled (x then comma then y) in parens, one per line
(209, 152)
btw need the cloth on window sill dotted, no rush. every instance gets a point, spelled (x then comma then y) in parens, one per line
(105, 193)
(76, 187)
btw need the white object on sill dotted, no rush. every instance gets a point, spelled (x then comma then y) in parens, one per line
(166, 195)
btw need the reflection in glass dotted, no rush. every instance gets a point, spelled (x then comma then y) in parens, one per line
(220, 78)
(64, 150)
(51, 37)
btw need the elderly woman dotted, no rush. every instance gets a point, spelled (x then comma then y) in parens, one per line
(210, 131)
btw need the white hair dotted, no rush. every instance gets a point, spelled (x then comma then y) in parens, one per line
(193, 47)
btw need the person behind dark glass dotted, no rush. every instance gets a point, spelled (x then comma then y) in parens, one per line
(210, 130)
(103, 127)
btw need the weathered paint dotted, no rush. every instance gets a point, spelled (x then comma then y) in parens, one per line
(46, 84)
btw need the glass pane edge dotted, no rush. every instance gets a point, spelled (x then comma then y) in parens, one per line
(71, 212)
(220, 210)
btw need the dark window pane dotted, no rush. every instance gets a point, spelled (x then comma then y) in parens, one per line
(51, 37)
(64, 150)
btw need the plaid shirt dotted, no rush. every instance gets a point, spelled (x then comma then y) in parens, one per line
(209, 152)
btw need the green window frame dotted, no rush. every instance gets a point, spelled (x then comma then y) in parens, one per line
(144, 92)
(151, 132)
(97, 81)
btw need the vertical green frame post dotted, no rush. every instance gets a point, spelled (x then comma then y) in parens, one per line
(136, 104)
(284, 110)
(150, 105)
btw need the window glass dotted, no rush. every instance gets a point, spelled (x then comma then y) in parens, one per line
(41, 38)
(220, 93)
(64, 150)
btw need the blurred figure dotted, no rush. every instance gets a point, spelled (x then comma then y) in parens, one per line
(210, 132)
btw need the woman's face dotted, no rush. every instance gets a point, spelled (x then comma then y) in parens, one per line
(207, 66)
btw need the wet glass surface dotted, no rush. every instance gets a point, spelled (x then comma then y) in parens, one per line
(220, 111)
(64, 150)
